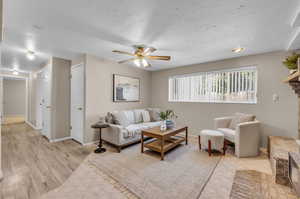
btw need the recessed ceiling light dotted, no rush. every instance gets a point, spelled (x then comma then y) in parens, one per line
(30, 55)
(238, 50)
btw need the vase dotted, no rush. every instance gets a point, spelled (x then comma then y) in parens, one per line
(163, 126)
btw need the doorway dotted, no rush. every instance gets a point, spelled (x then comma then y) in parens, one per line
(77, 102)
(14, 100)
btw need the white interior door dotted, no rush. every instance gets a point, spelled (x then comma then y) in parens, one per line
(77, 102)
(39, 101)
(46, 102)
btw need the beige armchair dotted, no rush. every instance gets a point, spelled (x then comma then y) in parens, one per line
(242, 130)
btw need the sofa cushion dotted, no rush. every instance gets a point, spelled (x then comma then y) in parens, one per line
(240, 118)
(229, 134)
(146, 116)
(133, 130)
(138, 115)
(154, 114)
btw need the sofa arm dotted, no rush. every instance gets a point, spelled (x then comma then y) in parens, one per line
(113, 134)
(247, 139)
(222, 122)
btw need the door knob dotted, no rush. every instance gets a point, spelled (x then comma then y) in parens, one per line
(79, 108)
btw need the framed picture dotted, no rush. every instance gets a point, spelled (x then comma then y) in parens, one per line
(126, 89)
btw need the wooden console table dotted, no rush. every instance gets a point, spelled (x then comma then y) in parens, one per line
(164, 140)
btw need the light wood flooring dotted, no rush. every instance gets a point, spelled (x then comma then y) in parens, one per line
(32, 166)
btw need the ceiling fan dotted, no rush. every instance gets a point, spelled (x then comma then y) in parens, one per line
(141, 56)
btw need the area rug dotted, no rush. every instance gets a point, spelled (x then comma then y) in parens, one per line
(251, 184)
(183, 174)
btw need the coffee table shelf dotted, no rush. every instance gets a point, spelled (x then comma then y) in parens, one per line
(164, 140)
(170, 143)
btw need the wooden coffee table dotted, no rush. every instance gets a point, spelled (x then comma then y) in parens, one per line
(164, 140)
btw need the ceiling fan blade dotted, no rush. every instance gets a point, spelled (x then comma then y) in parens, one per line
(149, 50)
(122, 52)
(127, 60)
(165, 58)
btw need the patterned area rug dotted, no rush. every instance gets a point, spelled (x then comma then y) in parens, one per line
(183, 174)
(250, 184)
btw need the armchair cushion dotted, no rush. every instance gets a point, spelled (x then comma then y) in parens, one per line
(229, 134)
(240, 118)
(222, 122)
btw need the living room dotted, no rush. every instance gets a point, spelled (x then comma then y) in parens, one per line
(142, 99)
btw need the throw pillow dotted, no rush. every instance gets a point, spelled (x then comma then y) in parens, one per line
(138, 115)
(109, 118)
(120, 118)
(240, 118)
(146, 116)
(154, 114)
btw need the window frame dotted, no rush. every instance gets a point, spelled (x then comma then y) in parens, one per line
(238, 69)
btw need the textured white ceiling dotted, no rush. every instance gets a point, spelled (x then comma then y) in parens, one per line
(191, 31)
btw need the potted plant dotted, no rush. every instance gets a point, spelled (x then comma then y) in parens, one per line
(167, 117)
(291, 62)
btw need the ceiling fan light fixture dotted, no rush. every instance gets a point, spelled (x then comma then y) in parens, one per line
(137, 62)
(30, 55)
(145, 63)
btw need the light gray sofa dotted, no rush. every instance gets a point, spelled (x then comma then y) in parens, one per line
(243, 130)
(126, 126)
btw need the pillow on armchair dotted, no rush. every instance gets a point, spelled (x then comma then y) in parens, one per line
(240, 118)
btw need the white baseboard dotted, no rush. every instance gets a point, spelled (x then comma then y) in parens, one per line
(90, 143)
(33, 126)
(60, 139)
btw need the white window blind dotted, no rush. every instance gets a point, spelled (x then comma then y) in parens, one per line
(225, 86)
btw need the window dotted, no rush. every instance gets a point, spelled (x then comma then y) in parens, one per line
(225, 86)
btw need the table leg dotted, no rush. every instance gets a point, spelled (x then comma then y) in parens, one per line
(186, 135)
(209, 147)
(100, 149)
(225, 147)
(199, 140)
(162, 153)
(142, 142)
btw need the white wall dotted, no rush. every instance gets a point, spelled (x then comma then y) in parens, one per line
(278, 118)
(14, 97)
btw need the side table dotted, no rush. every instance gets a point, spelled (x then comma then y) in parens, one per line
(100, 126)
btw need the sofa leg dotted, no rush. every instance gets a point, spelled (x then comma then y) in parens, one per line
(209, 147)
(119, 149)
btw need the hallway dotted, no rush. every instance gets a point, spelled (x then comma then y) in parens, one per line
(32, 166)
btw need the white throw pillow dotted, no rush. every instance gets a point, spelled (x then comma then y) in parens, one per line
(138, 115)
(146, 116)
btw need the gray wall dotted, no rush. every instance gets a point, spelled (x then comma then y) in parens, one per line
(99, 90)
(277, 118)
(14, 97)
